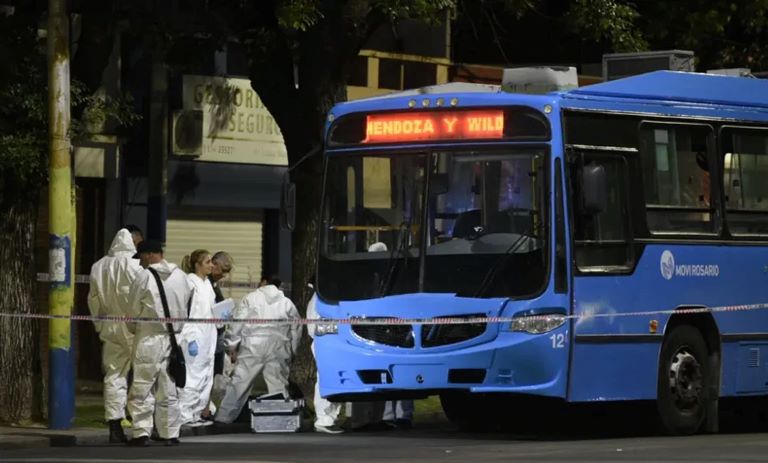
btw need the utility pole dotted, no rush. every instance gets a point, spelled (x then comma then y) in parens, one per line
(62, 224)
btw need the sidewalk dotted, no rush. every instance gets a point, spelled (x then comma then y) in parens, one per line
(12, 437)
(88, 428)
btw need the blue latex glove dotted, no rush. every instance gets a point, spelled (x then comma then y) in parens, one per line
(192, 348)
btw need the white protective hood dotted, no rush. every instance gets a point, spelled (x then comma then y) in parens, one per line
(122, 244)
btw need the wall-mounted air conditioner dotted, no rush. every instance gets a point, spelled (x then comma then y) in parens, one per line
(187, 133)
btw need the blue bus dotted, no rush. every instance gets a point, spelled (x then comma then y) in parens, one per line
(620, 230)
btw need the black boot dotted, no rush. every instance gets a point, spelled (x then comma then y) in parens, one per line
(116, 433)
(142, 441)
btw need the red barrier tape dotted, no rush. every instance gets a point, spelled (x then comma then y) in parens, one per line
(378, 321)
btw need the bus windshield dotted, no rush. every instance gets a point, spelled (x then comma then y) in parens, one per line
(477, 216)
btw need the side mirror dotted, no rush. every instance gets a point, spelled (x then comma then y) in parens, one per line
(594, 189)
(288, 205)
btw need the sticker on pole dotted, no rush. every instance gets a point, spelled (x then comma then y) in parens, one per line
(59, 251)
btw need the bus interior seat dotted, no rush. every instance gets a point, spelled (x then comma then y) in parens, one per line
(465, 223)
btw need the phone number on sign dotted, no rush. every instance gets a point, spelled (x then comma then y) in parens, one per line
(219, 149)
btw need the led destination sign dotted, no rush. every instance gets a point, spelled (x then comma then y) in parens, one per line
(509, 123)
(444, 125)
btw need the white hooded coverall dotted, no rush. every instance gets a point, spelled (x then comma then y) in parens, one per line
(111, 279)
(261, 347)
(198, 341)
(326, 412)
(153, 391)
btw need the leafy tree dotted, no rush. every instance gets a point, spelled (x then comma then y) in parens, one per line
(523, 32)
(609, 20)
(722, 33)
(23, 141)
(23, 174)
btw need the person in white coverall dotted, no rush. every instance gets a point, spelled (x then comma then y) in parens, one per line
(259, 347)
(368, 416)
(111, 280)
(399, 413)
(153, 391)
(198, 341)
(326, 412)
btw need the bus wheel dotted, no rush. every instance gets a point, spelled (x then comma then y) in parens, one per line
(468, 411)
(683, 381)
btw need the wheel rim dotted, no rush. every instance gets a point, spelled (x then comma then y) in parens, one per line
(685, 380)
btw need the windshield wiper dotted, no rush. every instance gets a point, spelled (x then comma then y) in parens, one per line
(397, 251)
(492, 272)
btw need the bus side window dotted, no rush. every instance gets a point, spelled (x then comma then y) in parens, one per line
(745, 168)
(602, 238)
(676, 165)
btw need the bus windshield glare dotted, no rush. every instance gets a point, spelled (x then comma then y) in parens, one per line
(478, 217)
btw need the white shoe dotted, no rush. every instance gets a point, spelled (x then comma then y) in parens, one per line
(199, 423)
(332, 429)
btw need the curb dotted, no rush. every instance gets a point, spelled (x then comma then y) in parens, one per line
(23, 442)
(234, 428)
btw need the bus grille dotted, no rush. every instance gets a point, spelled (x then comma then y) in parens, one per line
(443, 335)
(390, 335)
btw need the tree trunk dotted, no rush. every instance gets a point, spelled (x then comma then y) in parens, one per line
(20, 369)
(324, 92)
(320, 61)
(308, 189)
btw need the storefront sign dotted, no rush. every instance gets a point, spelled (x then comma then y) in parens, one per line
(237, 127)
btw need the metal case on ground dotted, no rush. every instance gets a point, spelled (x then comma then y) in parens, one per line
(275, 414)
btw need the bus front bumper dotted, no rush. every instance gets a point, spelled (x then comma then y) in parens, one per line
(512, 362)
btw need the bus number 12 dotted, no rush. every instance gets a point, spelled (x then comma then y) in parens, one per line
(558, 341)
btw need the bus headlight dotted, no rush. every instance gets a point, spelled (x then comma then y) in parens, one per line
(537, 324)
(321, 329)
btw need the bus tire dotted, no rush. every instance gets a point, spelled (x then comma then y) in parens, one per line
(684, 379)
(466, 410)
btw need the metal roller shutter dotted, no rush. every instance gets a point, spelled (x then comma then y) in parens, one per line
(241, 238)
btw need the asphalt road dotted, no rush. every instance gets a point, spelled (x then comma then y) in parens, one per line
(440, 444)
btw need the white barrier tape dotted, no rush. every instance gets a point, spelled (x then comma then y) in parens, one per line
(80, 279)
(377, 321)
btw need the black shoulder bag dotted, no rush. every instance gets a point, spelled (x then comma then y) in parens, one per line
(177, 368)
